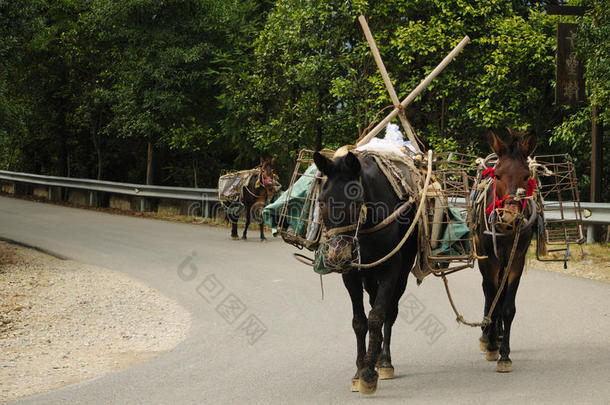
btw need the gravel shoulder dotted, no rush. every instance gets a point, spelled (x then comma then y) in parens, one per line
(63, 322)
(590, 261)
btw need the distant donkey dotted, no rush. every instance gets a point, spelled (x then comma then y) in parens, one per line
(261, 185)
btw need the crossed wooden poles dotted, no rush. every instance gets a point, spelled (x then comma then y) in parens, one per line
(398, 105)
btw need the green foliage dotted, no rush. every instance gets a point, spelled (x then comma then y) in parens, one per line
(85, 84)
(593, 42)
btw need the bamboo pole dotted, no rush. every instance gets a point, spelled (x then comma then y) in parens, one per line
(388, 83)
(416, 91)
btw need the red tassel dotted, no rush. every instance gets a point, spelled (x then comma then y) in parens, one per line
(531, 186)
(490, 171)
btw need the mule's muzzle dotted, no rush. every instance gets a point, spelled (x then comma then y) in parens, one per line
(505, 219)
(511, 204)
(340, 252)
(339, 249)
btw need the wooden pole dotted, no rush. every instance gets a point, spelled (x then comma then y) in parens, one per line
(416, 91)
(596, 160)
(388, 83)
(596, 156)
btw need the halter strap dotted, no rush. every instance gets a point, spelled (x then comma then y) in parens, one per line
(498, 203)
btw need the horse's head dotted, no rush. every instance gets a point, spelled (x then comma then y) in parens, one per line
(341, 202)
(512, 175)
(267, 175)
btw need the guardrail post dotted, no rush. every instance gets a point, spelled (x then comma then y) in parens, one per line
(207, 207)
(142, 204)
(590, 233)
(92, 199)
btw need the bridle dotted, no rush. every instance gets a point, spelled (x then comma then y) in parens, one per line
(518, 196)
(334, 237)
(495, 209)
(267, 182)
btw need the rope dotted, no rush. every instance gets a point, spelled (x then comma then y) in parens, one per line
(389, 219)
(412, 227)
(347, 228)
(487, 318)
(309, 262)
(303, 259)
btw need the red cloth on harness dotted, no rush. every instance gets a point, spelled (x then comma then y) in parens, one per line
(497, 203)
(266, 181)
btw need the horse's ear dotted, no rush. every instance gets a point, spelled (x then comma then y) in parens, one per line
(496, 143)
(323, 163)
(273, 162)
(352, 163)
(528, 145)
(261, 160)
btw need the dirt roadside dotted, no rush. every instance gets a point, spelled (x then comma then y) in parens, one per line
(63, 322)
(589, 261)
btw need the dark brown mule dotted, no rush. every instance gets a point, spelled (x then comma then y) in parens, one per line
(254, 197)
(511, 176)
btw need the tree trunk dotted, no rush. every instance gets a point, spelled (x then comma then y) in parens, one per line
(149, 162)
(63, 155)
(98, 150)
(443, 115)
(99, 163)
(195, 171)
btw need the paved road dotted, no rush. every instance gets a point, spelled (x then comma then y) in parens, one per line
(262, 334)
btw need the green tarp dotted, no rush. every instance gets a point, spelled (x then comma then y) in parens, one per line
(455, 239)
(271, 213)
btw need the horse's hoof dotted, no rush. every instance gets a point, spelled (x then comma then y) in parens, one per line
(355, 384)
(367, 388)
(244, 238)
(386, 373)
(505, 366)
(234, 237)
(264, 240)
(368, 382)
(492, 356)
(482, 345)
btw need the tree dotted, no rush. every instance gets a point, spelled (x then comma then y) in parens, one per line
(19, 21)
(314, 73)
(573, 134)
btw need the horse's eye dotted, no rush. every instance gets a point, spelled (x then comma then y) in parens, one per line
(497, 177)
(526, 178)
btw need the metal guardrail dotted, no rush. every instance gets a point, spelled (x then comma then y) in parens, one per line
(592, 213)
(205, 196)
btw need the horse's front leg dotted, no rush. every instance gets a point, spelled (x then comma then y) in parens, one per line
(377, 317)
(384, 364)
(261, 223)
(233, 218)
(234, 234)
(489, 337)
(353, 283)
(505, 364)
(245, 234)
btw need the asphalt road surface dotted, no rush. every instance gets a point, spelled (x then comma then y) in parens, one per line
(262, 334)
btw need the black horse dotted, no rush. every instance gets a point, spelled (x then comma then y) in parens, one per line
(254, 196)
(511, 182)
(352, 182)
